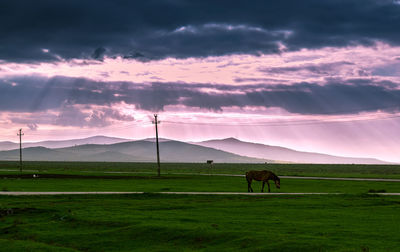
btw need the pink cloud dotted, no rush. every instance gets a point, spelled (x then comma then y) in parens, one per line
(357, 61)
(372, 134)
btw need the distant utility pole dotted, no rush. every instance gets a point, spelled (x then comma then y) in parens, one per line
(156, 122)
(20, 134)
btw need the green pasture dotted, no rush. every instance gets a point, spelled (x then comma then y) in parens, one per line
(325, 170)
(188, 183)
(182, 177)
(352, 221)
(152, 222)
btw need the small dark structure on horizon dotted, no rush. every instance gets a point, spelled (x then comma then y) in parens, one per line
(210, 163)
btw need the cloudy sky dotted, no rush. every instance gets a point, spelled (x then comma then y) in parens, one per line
(311, 75)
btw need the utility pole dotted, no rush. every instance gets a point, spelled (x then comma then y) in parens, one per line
(20, 134)
(156, 122)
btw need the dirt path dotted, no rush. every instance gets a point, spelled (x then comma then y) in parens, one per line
(181, 193)
(299, 177)
(349, 179)
(287, 177)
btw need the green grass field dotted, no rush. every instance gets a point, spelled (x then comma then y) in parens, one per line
(191, 183)
(326, 170)
(173, 177)
(354, 221)
(183, 223)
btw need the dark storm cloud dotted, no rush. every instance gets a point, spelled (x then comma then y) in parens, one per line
(324, 68)
(70, 115)
(73, 116)
(263, 80)
(46, 30)
(335, 96)
(99, 53)
(32, 126)
(344, 97)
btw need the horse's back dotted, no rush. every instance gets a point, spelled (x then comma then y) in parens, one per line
(258, 175)
(250, 174)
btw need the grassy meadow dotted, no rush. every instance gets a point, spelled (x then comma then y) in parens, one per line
(182, 177)
(353, 221)
(152, 222)
(188, 183)
(324, 170)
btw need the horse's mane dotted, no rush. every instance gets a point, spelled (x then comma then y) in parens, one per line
(275, 177)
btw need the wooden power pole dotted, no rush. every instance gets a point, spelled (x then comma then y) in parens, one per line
(156, 122)
(20, 134)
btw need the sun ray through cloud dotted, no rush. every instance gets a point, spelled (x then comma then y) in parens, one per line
(245, 72)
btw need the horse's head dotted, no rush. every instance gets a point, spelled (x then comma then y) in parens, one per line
(277, 182)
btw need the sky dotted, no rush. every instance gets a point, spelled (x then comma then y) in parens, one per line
(319, 76)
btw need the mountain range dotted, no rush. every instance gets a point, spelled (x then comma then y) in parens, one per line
(131, 151)
(111, 149)
(281, 154)
(64, 143)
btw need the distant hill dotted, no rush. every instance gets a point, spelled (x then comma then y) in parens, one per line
(282, 154)
(34, 154)
(153, 139)
(112, 149)
(134, 151)
(64, 143)
(7, 145)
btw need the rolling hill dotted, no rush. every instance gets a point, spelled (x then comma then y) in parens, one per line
(282, 154)
(134, 151)
(64, 143)
(111, 149)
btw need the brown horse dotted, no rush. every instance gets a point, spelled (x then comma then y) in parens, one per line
(263, 176)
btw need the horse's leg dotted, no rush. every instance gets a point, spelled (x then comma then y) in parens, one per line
(262, 188)
(269, 190)
(249, 189)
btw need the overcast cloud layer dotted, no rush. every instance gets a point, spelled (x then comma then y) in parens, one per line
(324, 73)
(47, 30)
(34, 94)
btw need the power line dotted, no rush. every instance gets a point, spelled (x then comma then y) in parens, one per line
(363, 109)
(287, 123)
